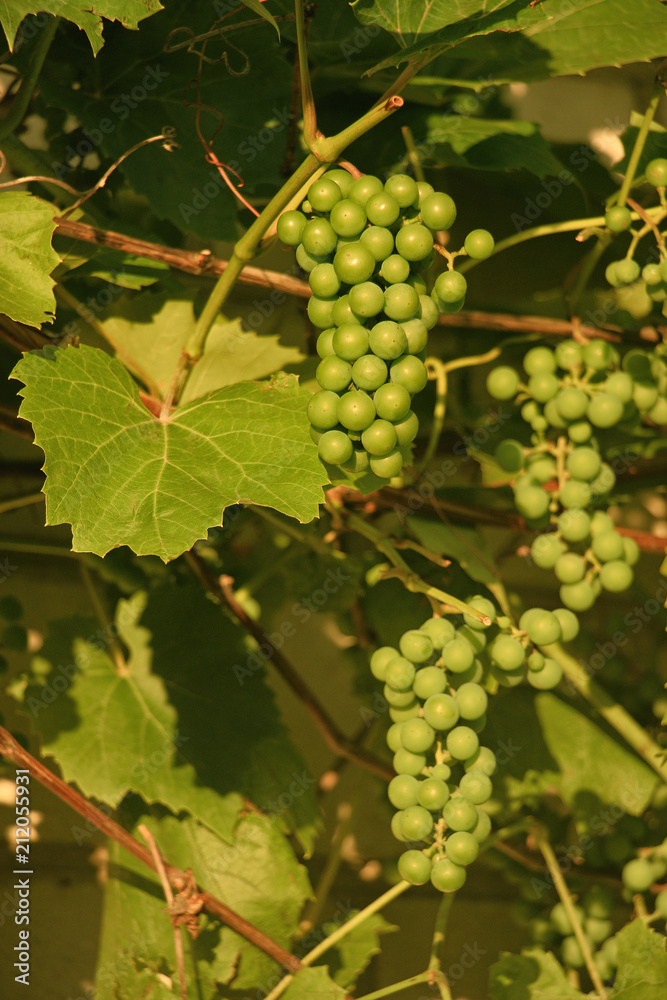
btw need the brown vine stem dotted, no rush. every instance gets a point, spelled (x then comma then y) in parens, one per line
(169, 896)
(221, 589)
(14, 751)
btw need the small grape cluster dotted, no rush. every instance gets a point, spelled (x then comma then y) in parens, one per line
(366, 247)
(433, 684)
(618, 219)
(571, 393)
(594, 913)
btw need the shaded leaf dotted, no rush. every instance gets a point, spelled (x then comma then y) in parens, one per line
(348, 959)
(465, 545)
(532, 975)
(86, 15)
(26, 258)
(642, 964)
(313, 984)
(120, 268)
(122, 477)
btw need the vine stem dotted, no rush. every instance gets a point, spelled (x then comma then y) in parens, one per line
(340, 933)
(610, 710)
(566, 899)
(22, 99)
(169, 896)
(307, 101)
(405, 984)
(640, 142)
(14, 503)
(435, 964)
(438, 372)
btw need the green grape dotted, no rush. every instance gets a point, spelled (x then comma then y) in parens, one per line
(437, 211)
(616, 576)
(363, 187)
(392, 401)
(406, 762)
(510, 455)
(424, 189)
(545, 550)
(577, 596)
(658, 412)
(462, 848)
(334, 373)
(656, 172)
(315, 435)
(400, 302)
(387, 340)
(417, 281)
(462, 742)
(318, 238)
(394, 269)
(380, 438)
(347, 218)
(442, 772)
(637, 363)
(416, 333)
(638, 875)
(472, 701)
(450, 286)
(320, 311)
(597, 929)
(382, 209)
(552, 416)
(441, 711)
(597, 354)
(403, 188)
(416, 823)
(483, 760)
(406, 429)
(543, 387)
(403, 714)
(458, 655)
(323, 194)
(661, 904)
(399, 674)
(307, 262)
(539, 424)
(532, 502)
(543, 627)
(342, 178)
(439, 630)
(429, 311)
(535, 661)
(502, 383)
(644, 395)
(604, 410)
(571, 952)
(447, 876)
(460, 814)
(560, 919)
(539, 361)
(366, 299)
(483, 827)
(359, 462)
(342, 313)
(334, 447)
(433, 794)
(416, 646)
(485, 607)
(356, 410)
(414, 242)
(569, 624)
(622, 272)
(290, 228)
(409, 372)
(474, 637)
(429, 681)
(530, 410)
(575, 494)
(583, 463)
(387, 466)
(322, 410)
(620, 384)
(569, 355)
(417, 736)
(651, 274)
(507, 653)
(580, 432)
(350, 341)
(414, 867)
(607, 546)
(598, 902)
(574, 525)
(394, 737)
(369, 372)
(548, 677)
(324, 281)
(618, 218)
(479, 244)
(631, 551)
(476, 787)
(354, 263)
(403, 791)
(396, 826)
(379, 241)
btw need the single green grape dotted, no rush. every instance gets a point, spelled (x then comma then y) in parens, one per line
(366, 299)
(479, 244)
(618, 218)
(532, 502)
(545, 550)
(403, 188)
(483, 760)
(437, 211)
(396, 826)
(406, 762)
(543, 387)
(597, 354)
(416, 646)
(638, 875)
(347, 218)
(403, 791)
(429, 311)
(574, 525)
(379, 241)
(439, 630)
(416, 823)
(414, 242)
(320, 311)
(608, 545)
(417, 736)
(539, 361)
(656, 172)
(356, 410)
(323, 194)
(307, 262)
(414, 867)
(447, 876)
(334, 373)
(542, 469)
(380, 438)
(387, 466)
(569, 355)
(429, 681)
(507, 653)
(318, 238)
(570, 568)
(354, 263)
(343, 313)
(324, 281)
(382, 209)
(462, 848)
(350, 341)
(416, 333)
(471, 699)
(369, 372)
(399, 674)
(387, 340)
(569, 624)
(322, 410)
(392, 401)
(503, 382)
(631, 551)
(577, 596)
(543, 627)
(433, 794)
(485, 607)
(290, 228)
(334, 447)
(458, 655)
(363, 187)
(450, 286)
(462, 741)
(460, 814)
(403, 714)
(394, 269)
(441, 711)
(476, 787)
(574, 493)
(409, 372)
(394, 737)
(548, 677)
(580, 432)
(620, 384)
(583, 463)
(616, 576)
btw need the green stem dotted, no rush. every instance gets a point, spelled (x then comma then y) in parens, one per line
(14, 503)
(20, 103)
(587, 267)
(614, 713)
(640, 141)
(34, 548)
(331, 867)
(397, 987)
(438, 371)
(307, 101)
(413, 155)
(435, 964)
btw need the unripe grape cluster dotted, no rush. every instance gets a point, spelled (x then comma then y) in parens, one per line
(366, 247)
(554, 929)
(435, 686)
(568, 396)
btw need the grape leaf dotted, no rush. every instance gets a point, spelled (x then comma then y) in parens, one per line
(414, 21)
(532, 975)
(137, 942)
(465, 545)
(87, 16)
(152, 330)
(642, 964)
(26, 258)
(313, 984)
(348, 959)
(118, 268)
(121, 476)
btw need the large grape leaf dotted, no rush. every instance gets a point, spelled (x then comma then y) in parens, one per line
(415, 21)
(26, 258)
(348, 959)
(257, 876)
(121, 476)
(86, 15)
(313, 984)
(168, 727)
(642, 964)
(532, 975)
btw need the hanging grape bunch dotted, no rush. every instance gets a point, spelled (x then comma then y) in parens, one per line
(433, 684)
(570, 397)
(618, 219)
(366, 247)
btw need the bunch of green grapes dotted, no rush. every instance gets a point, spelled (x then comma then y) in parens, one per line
(435, 685)
(627, 271)
(649, 866)
(366, 247)
(594, 912)
(569, 396)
